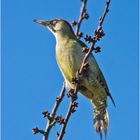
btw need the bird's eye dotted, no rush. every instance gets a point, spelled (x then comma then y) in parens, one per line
(53, 22)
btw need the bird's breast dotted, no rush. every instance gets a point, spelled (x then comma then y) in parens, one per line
(69, 60)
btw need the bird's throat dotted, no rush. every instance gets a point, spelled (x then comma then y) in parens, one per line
(63, 38)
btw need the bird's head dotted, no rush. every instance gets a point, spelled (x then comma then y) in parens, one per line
(58, 27)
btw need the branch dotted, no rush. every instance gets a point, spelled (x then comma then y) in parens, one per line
(98, 34)
(70, 111)
(51, 116)
(83, 15)
(51, 120)
(105, 12)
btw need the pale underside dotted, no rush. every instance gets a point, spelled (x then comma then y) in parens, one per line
(69, 59)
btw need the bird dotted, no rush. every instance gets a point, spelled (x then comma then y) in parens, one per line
(69, 57)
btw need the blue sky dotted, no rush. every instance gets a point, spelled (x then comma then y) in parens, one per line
(31, 78)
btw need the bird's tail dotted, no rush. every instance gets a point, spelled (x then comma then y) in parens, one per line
(101, 122)
(101, 118)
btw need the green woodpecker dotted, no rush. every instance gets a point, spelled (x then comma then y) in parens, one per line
(69, 57)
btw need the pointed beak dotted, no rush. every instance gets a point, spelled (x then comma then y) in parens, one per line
(42, 22)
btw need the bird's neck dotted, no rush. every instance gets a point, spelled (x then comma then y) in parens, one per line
(63, 37)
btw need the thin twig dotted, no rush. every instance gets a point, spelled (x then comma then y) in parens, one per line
(81, 17)
(36, 130)
(95, 38)
(49, 123)
(66, 121)
(105, 12)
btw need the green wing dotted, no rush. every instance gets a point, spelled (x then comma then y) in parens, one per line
(99, 75)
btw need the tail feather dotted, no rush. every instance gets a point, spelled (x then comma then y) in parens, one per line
(101, 136)
(101, 123)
